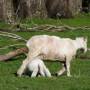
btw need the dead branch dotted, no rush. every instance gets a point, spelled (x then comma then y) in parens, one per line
(14, 45)
(13, 54)
(46, 27)
(12, 35)
(53, 28)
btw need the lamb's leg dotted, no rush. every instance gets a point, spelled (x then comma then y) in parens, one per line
(47, 72)
(23, 67)
(62, 70)
(35, 72)
(42, 71)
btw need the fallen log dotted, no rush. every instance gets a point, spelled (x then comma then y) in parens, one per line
(13, 54)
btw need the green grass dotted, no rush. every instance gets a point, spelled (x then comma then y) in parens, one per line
(80, 20)
(4, 25)
(80, 69)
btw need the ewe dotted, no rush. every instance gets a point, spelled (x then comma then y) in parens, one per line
(53, 48)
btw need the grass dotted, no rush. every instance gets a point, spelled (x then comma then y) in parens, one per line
(80, 69)
(4, 25)
(80, 20)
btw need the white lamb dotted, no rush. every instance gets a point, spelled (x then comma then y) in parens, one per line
(37, 66)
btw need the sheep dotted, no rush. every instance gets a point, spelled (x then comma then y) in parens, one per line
(53, 48)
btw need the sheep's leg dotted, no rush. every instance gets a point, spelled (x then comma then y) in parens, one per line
(68, 59)
(68, 68)
(35, 72)
(62, 70)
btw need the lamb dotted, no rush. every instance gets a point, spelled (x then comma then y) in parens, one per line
(53, 48)
(37, 66)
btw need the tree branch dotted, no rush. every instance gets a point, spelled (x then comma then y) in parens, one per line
(13, 54)
(12, 35)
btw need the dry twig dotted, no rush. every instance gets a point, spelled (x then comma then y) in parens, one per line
(11, 35)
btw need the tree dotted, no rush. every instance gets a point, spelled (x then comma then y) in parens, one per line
(38, 8)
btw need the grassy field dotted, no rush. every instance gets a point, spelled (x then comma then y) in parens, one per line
(80, 68)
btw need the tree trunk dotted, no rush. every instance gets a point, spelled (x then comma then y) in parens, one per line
(1, 10)
(33, 8)
(8, 11)
(63, 8)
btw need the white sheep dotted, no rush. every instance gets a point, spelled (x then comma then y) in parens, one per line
(53, 48)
